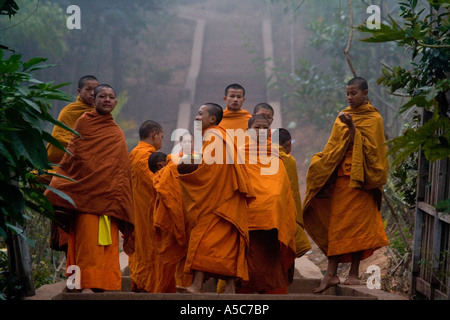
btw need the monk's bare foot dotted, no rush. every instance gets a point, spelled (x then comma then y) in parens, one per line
(194, 289)
(87, 290)
(352, 280)
(181, 289)
(230, 287)
(327, 282)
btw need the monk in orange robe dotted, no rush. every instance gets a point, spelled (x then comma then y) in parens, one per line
(271, 216)
(69, 116)
(171, 228)
(143, 264)
(100, 188)
(344, 187)
(218, 220)
(302, 244)
(234, 117)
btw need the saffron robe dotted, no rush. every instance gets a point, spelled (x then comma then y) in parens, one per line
(216, 197)
(171, 229)
(69, 116)
(344, 188)
(100, 168)
(302, 244)
(144, 263)
(271, 219)
(235, 119)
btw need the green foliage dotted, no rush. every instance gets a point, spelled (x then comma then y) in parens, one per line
(8, 7)
(41, 26)
(25, 103)
(426, 36)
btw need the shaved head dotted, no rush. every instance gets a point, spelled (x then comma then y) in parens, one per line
(215, 110)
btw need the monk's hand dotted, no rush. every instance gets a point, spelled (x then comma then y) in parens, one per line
(348, 120)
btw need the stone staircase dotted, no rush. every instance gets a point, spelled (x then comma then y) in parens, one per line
(300, 289)
(306, 277)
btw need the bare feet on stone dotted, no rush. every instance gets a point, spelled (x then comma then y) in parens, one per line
(327, 282)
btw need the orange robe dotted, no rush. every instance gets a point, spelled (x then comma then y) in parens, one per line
(69, 116)
(344, 188)
(271, 220)
(302, 244)
(235, 119)
(100, 168)
(216, 198)
(144, 262)
(171, 229)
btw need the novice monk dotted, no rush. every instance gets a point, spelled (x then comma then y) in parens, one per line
(69, 116)
(101, 191)
(234, 117)
(271, 216)
(143, 263)
(302, 244)
(344, 187)
(171, 227)
(264, 109)
(216, 195)
(157, 161)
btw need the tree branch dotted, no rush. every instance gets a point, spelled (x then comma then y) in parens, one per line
(350, 39)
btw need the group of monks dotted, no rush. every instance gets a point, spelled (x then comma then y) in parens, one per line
(188, 216)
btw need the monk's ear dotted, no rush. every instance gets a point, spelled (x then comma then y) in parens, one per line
(79, 91)
(213, 120)
(366, 92)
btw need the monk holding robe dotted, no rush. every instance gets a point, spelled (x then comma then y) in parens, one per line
(344, 187)
(144, 263)
(69, 116)
(216, 194)
(101, 192)
(271, 216)
(234, 117)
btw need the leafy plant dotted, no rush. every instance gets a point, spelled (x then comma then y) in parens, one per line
(24, 109)
(426, 36)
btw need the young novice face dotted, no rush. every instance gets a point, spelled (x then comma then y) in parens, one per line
(105, 102)
(355, 96)
(87, 92)
(234, 99)
(261, 129)
(187, 144)
(267, 113)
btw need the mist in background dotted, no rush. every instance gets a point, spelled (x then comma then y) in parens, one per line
(143, 49)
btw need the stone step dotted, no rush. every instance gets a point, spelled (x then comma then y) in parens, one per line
(204, 296)
(300, 289)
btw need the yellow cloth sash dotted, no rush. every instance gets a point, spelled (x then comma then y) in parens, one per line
(104, 230)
